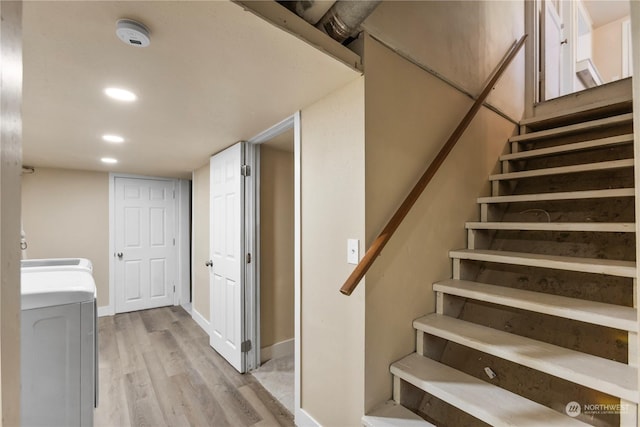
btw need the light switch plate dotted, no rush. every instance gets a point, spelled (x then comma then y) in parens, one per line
(353, 251)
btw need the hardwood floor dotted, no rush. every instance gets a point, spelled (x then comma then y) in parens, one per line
(157, 369)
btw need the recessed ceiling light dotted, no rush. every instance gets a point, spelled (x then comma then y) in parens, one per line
(110, 160)
(120, 94)
(117, 139)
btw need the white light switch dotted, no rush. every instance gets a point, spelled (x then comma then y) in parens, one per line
(353, 251)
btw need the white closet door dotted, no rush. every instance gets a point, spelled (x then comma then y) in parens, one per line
(227, 255)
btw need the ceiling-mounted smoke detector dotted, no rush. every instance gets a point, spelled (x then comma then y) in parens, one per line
(132, 33)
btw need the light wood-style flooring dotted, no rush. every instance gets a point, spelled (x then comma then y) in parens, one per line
(157, 369)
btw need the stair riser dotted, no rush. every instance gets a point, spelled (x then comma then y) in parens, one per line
(620, 246)
(584, 267)
(600, 144)
(551, 304)
(593, 110)
(595, 196)
(594, 155)
(588, 128)
(565, 172)
(574, 138)
(586, 286)
(583, 210)
(569, 227)
(582, 181)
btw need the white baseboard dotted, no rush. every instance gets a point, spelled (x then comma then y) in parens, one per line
(279, 349)
(188, 307)
(200, 320)
(303, 419)
(106, 310)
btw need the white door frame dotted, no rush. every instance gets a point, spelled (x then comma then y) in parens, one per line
(568, 57)
(182, 210)
(534, 57)
(183, 242)
(627, 55)
(253, 224)
(252, 247)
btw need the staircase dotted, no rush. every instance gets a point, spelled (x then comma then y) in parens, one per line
(537, 327)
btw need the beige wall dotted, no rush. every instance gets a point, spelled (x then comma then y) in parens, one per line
(332, 328)
(461, 40)
(409, 115)
(65, 213)
(276, 246)
(607, 50)
(200, 236)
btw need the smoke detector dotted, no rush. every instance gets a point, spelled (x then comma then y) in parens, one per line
(132, 33)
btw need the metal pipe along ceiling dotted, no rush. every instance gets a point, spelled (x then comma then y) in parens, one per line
(343, 20)
(339, 19)
(309, 10)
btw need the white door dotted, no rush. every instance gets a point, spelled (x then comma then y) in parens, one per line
(553, 45)
(227, 255)
(145, 251)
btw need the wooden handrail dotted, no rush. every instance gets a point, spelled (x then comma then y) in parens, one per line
(397, 218)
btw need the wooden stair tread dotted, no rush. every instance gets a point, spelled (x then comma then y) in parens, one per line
(574, 128)
(614, 378)
(579, 112)
(612, 227)
(489, 403)
(598, 313)
(569, 195)
(556, 262)
(585, 167)
(567, 148)
(391, 414)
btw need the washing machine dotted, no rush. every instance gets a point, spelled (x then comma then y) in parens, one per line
(48, 264)
(59, 354)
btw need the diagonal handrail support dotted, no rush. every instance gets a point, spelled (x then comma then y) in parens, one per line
(380, 242)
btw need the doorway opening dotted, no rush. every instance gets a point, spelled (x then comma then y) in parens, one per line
(276, 239)
(276, 266)
(255, 232)
(583, 44)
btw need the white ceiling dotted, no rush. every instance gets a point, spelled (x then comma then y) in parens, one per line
(603, 12)
(214, 74)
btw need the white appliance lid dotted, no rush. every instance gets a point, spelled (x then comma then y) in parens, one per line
(57, 287)
(43, 264)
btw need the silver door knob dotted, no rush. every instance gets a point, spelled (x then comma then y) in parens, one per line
(209, 263)
(119, 254)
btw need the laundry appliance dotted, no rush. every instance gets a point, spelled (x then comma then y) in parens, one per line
(42, 264)
(59, 339)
